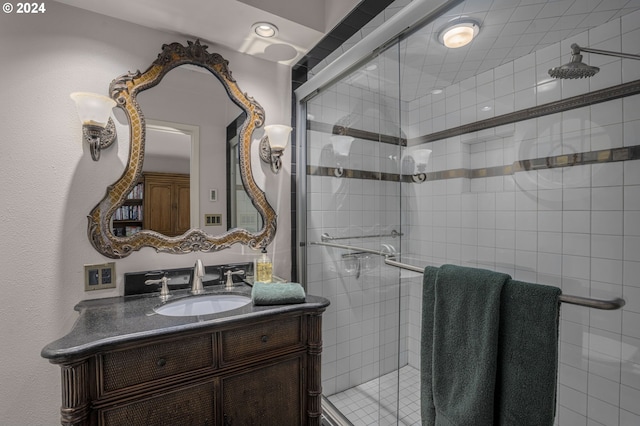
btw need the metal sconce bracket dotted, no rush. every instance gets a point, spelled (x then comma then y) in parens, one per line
(270, 156)
(419, 177)
(99, 138)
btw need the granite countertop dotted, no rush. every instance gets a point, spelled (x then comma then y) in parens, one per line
(104, 322)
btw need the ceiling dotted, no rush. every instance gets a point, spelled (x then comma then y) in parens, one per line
(510, 29)
(301, 23)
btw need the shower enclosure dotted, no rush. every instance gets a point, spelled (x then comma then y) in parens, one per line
(474, 156)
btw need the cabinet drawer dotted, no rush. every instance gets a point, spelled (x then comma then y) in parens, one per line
(261, 338)
(121, 369)
(188, 405)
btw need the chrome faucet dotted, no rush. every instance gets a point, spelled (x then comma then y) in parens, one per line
(198, 274)
(164, 291)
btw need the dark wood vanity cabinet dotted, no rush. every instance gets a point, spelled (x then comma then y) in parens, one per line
(264, 372)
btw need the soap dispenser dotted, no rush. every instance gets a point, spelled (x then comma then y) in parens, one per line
(264, 268)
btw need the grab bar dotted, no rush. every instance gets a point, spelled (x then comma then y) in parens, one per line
(615, 303)
(389, 259)
(353, 248)
(393, 234)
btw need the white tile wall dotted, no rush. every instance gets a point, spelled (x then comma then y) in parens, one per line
(575, 228)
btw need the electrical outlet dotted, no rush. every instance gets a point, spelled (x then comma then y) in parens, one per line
(100, 276)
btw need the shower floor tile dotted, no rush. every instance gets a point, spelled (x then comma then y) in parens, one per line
(376, 402)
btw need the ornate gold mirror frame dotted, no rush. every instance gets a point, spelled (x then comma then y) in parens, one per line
(124, 90)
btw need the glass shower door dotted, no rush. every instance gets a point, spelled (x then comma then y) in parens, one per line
(353, 149)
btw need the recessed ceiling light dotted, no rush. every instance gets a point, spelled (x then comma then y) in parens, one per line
(265, 29)
(486, 108)
(459, 32)
(436, 91)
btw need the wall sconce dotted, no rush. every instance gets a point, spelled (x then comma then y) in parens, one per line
(97, 127)
(420, 160)
(341, 146)
(272, 145)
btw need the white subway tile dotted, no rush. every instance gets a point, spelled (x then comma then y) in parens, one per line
(632, 197)
(550, 242)
(607, 222)
(575, 267)
(607, 174)
(576, 221)
(631, 350)
(606, 198)
(606, 113)
(576, 244)
(632, 172)
(605, 320)
(629, 398)
(605, 366)
(604, 413)
(629, 419)
(631, 324)
(607, 246)
(572, 399)
(550, 221)
(632, 250)
(579, 198)
(632, 297)
(573, 377)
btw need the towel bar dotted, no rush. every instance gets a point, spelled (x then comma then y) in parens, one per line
(616, 303)
(612, 304)
(393, 234)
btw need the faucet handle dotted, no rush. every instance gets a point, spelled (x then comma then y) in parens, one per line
(164, 291)
(229, 274)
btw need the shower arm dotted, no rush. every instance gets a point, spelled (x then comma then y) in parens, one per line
(575, 50)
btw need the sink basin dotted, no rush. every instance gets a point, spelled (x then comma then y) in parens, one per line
(202, 305)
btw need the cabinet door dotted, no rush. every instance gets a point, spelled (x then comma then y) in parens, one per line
(157, 206)
(192, 405)
(271, 395)
(182, 193)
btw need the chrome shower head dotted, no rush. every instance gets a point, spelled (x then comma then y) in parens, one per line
(575, 68)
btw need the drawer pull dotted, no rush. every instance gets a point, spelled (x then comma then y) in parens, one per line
(264, 338)
(161, 362)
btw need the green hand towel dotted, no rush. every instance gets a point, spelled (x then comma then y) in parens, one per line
(427, 408)
(277, 293)
(528, 354)
(466, 316)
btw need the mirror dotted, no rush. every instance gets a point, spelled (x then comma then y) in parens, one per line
(240, 210)
(125, 91)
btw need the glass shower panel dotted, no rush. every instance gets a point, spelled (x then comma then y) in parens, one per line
(353, 137)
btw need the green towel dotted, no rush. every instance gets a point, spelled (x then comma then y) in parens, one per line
(277, 293)
(426, 348)
(464, 339)
(527, 355)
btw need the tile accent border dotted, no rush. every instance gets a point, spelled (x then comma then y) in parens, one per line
(579, 101)
(355, 133)
(558, 161)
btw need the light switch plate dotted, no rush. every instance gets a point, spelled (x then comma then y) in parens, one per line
(212, 219)
(99, 276)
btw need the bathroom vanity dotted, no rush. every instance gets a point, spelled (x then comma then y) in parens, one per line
(124, 364)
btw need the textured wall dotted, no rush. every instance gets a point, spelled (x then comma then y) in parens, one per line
(50, 183)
